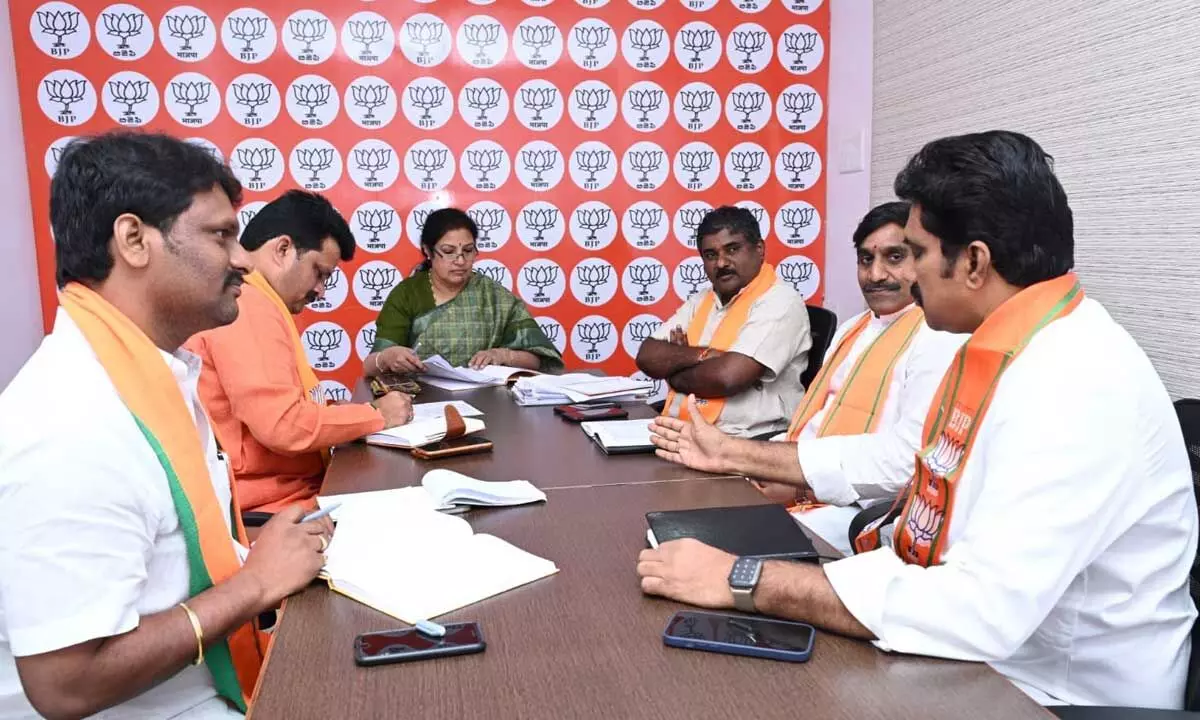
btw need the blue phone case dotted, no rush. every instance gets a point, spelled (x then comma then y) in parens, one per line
(740, 649)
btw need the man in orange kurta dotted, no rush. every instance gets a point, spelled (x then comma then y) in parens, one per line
(267, 410)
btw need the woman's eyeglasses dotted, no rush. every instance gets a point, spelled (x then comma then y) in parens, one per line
(466, 253)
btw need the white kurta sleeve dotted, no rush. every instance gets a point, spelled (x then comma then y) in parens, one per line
(74, 545)
(846, 468)
(1049, 480)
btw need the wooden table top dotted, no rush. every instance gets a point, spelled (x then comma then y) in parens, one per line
(585, 643)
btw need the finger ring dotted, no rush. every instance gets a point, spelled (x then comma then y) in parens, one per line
(324, 543)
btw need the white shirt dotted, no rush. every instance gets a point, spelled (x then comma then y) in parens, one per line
(89, 538)
(776, 335)
(1073, 531)
(855, 470)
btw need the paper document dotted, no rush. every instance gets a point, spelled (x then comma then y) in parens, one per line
(437, 367)
(577, 388)
(436, 410)
(440, 489)
(619, 435)
(420, 433)
(422, 564)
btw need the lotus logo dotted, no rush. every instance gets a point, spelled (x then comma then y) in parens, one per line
(337, 395)
(593, 334)
(428, 161)
(367, 33)
(645, 39)
(693, 276)
(123, 26)
(418, 218)
(592, 220)
(191, 94)
(58, 24)
(312, 96)
(592, 100)
(697, 41)
(646, 101)
(537, 37)
(592, 162)
(922, 522)
(496, 273)
(426, 98)
(798, 103)
(796, 219)
(370, 97)
(796, 273)
(550, 330)
(66, 92)
(800, 44)
(427, 35)
(645, 275)
(483, 98)
(308, 30)
(539, 162)
(696, 162)
(645, 220)
(252, 96)
(129, 93)
(315, 161)
(593, 276)
(538, 99)
(749, 43)
(375, 222)
(377, 280)
(540, 278)
(592, 38)
(748, 103)
(481, 35)
(248, 30)
(645, 162)
(372, 160)
(747, 162)
(640, 332)
(256, 160)
(689, 220)
(487, 221)
(323, 341)
(186, 28)
(539, 220)
(696, 102)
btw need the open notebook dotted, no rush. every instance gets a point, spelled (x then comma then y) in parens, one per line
(620, 437)
(419, 564)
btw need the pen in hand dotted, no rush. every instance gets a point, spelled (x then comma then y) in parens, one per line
(320, 513)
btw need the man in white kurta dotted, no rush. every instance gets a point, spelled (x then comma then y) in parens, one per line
(1057, 545)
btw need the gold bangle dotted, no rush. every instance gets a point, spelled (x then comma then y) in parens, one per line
(195, 621)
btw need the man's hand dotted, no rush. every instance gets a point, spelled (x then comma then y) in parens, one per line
(678, 336)
(689, 571)
(695, 442)
(396, 408)
(492, 356)
(400, 360)
(777, 492)
(287, 555)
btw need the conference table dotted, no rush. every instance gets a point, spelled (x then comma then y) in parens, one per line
(585, 642)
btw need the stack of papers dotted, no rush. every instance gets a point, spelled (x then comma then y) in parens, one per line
(415, 564)
(439, 490)
(420, 433)
(577, 388)
(620, 437)
(442, 374)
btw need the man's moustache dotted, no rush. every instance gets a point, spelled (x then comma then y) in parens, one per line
(882, 287)
(234, 279)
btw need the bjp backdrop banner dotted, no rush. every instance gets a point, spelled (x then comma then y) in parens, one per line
(587, 138)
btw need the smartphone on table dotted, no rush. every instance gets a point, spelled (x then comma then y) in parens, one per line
(741, 635)
(393, 646)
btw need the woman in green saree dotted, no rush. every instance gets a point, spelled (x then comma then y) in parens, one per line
(447, 309)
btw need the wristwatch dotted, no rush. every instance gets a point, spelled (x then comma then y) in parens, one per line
(743, 578)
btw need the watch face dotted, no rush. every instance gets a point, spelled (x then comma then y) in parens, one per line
(745, 573)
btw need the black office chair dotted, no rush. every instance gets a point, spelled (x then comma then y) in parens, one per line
(1189, 419)
(822, 324)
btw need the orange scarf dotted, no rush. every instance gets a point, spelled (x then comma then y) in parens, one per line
(856, 409)
(725, 335)
(952, 424)
(148, 389)
(308, 378)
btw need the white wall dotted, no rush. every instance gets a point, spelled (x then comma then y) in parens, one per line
(1110, 90)
(848, 176)
(21, 325)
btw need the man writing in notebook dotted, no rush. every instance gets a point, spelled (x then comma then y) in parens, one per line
(1050, 523)
(852, 438)
(740, 347)
(122, 587)
(267, 409)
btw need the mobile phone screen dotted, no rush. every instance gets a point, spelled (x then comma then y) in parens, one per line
(755, 632)
(394, 643)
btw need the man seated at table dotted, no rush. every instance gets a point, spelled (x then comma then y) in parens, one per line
(1050, 523)
(739, 347)
(853, 437)
(119, 568)
(267, 409)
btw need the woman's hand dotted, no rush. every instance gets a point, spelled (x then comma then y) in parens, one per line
(492, 356)
(398, 359)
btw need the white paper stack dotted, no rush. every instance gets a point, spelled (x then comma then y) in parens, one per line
(440, 490)
(577, 388)
(619, 437)
(442, 374)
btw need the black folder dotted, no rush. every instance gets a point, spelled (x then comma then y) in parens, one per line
(765, 531)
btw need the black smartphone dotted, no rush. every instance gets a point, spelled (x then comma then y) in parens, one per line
(393, 646)
(740, 635)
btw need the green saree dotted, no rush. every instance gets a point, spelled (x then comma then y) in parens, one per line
(483, 316)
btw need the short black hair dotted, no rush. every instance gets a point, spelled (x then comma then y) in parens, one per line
(306, 217)
(880, 216)
(443, 221)
(999, 188)
(100, 178)
(738, 221)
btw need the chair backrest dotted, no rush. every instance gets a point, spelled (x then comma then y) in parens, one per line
(822, 323)
(1189, 419)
